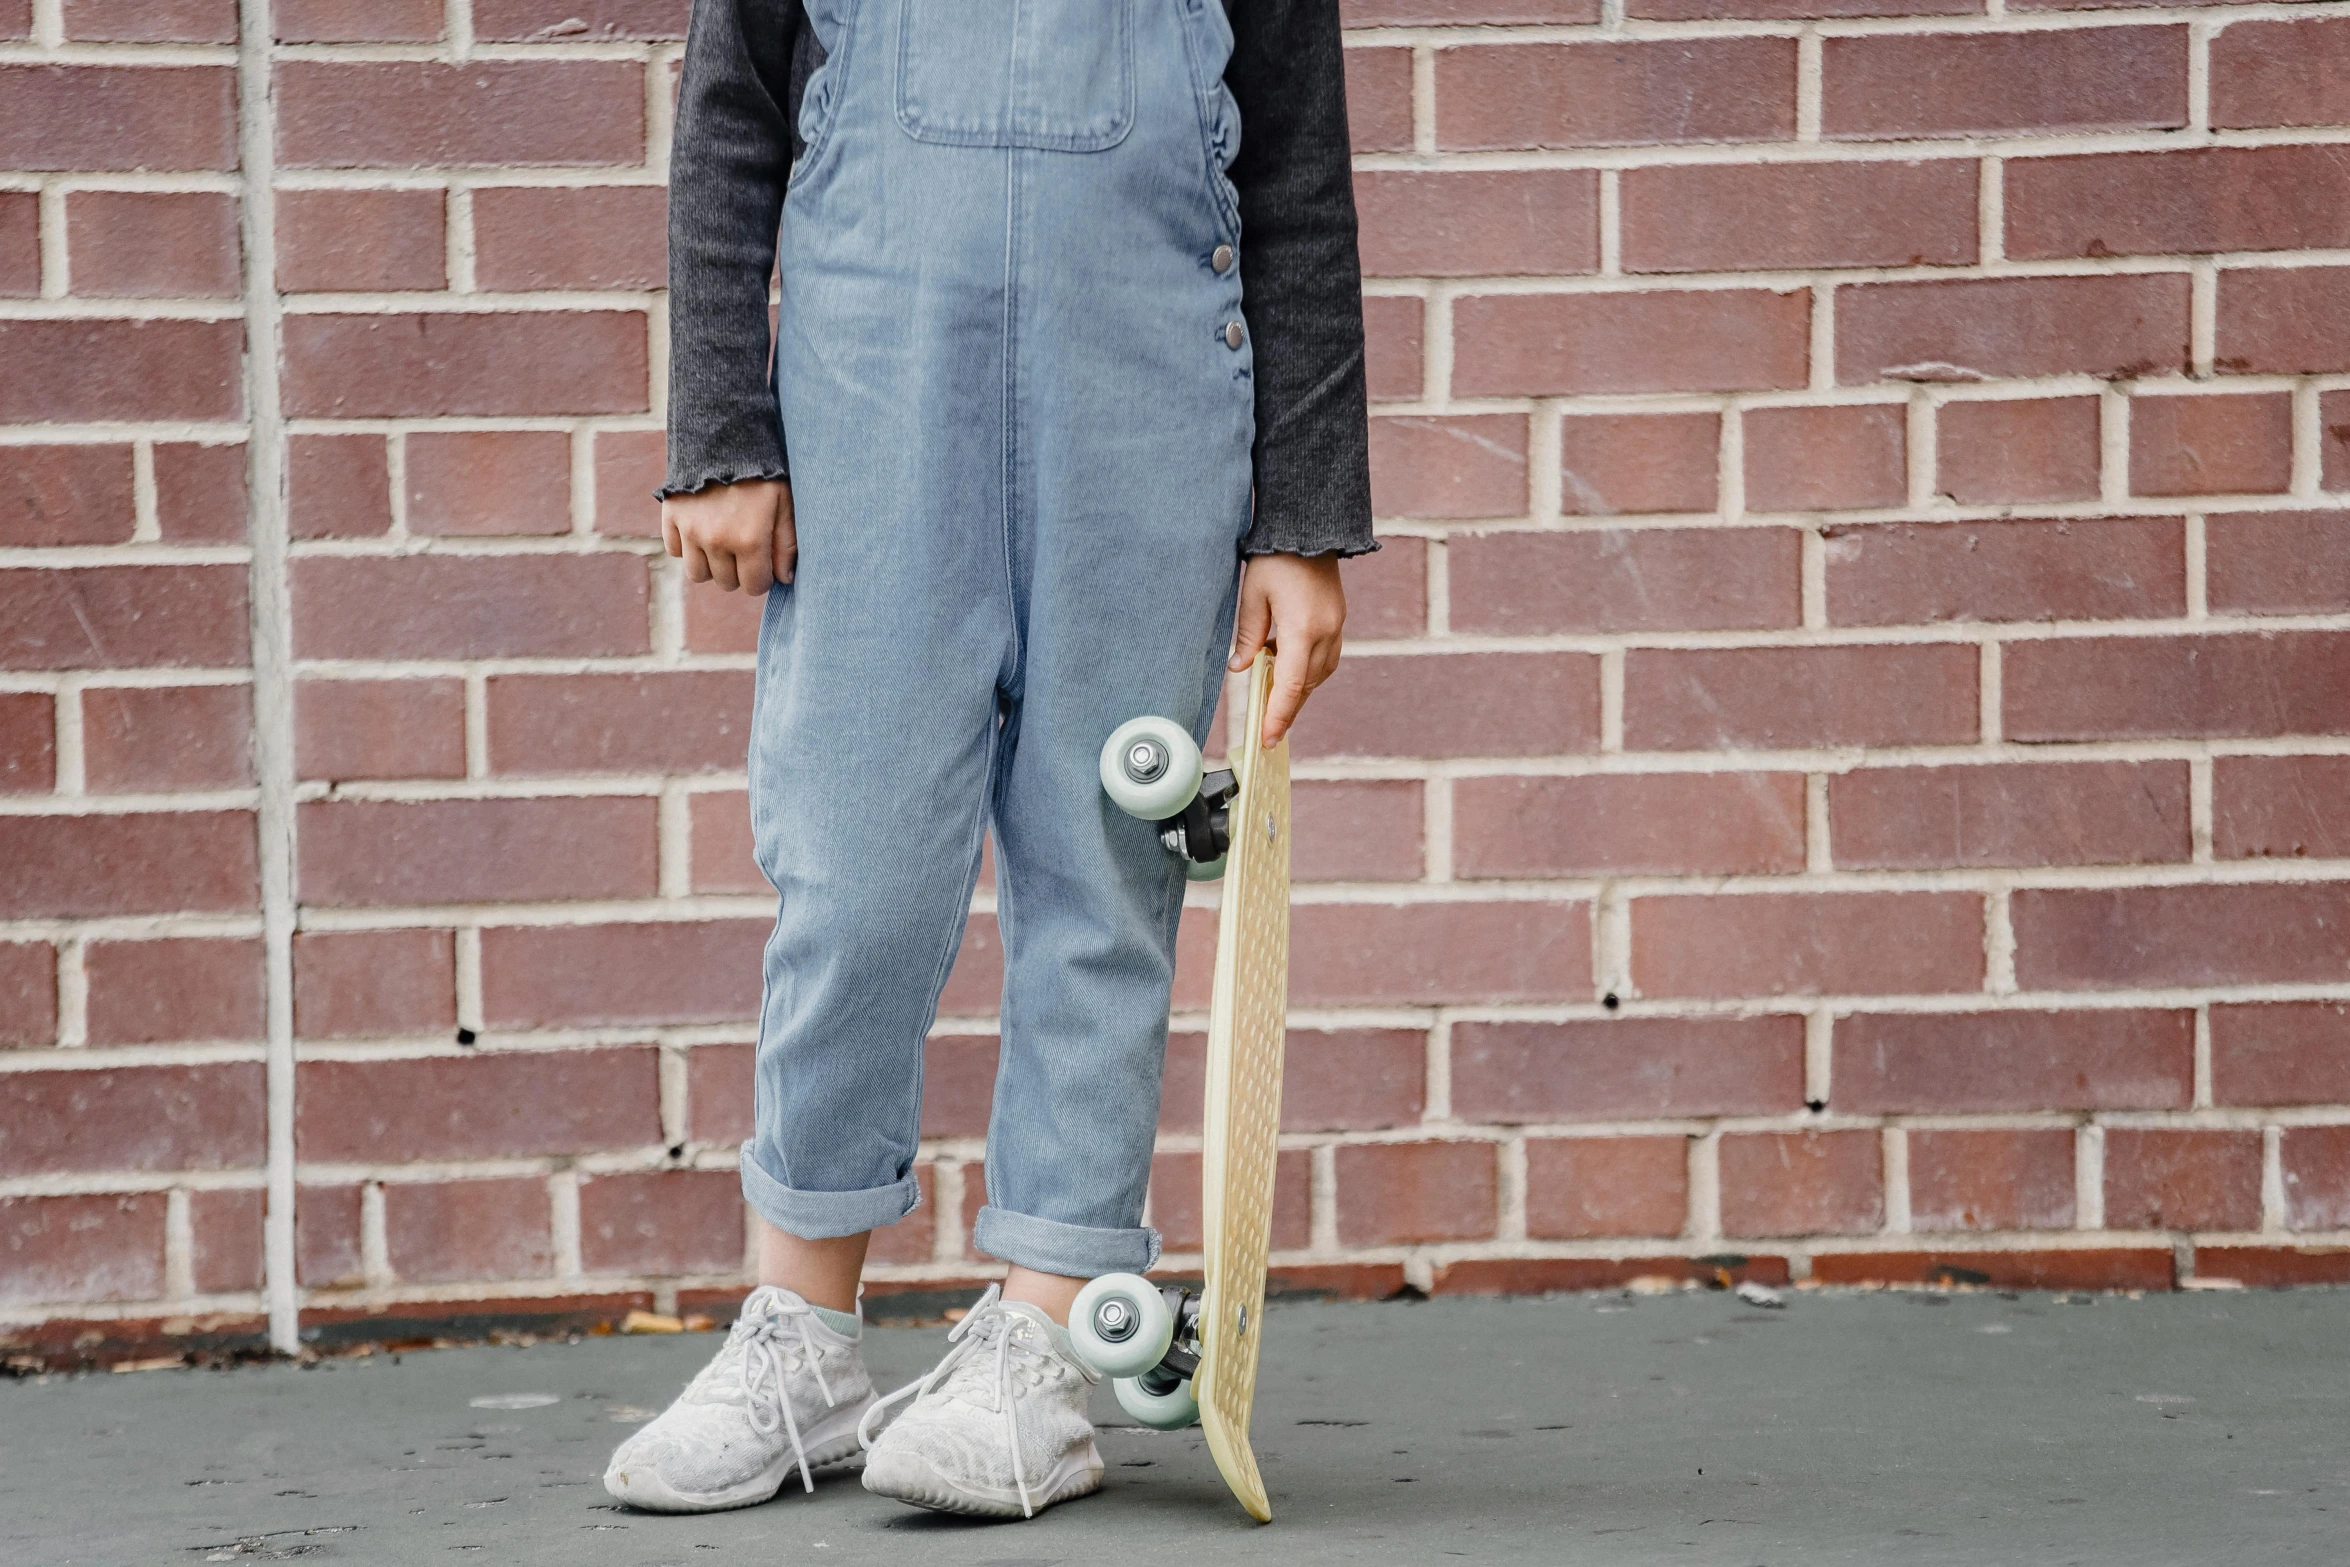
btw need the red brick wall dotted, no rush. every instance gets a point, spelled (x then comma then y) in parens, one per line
(1842, 761)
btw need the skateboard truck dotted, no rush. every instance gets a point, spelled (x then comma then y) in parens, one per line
(1152, 768)
(1145, 1338)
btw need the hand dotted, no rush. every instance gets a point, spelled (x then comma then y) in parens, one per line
(1295, 603)
(737, 535)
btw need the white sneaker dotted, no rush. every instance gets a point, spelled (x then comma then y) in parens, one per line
(785, 1392)
(999, 1428)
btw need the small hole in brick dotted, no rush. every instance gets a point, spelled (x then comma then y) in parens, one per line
(1611, 1001)
(1815, 1105)
(465, 1036)
(677, 1150)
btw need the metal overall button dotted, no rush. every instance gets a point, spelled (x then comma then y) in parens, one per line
(1234, 334)
(1222, 259)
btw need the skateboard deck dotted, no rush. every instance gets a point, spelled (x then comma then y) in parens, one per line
(1247, 1019)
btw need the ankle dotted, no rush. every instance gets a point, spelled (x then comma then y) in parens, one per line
(1051, 1293)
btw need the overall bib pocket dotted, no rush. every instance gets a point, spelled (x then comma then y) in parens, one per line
(1057, 75)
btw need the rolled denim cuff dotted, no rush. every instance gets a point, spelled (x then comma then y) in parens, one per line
(1071, 1250)
(816, 1216)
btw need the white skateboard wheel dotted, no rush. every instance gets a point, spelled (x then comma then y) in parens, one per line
(1208, 870)
(1121, 1325)
(1160, 1411)
(1151, 768)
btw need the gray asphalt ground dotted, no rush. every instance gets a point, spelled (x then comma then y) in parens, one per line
(1691, 1428)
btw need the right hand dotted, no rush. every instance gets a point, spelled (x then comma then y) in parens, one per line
(737, 535)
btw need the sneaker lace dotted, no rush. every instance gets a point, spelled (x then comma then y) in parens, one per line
(766, 1356)
(990, 1352)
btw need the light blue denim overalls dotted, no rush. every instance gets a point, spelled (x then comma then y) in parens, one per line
(1017, 394)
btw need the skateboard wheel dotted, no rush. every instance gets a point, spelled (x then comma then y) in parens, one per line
(1169, 1411)
(1121, 1325)
(1151, 767)
(1211, 870)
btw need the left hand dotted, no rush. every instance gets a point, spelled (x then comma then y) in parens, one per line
(1295, 603)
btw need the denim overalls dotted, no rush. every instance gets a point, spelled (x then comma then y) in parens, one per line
(1017, 392)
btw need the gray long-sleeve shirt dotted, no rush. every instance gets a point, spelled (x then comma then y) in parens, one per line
(746, 63)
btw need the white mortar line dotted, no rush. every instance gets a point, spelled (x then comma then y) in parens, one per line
(1436, 1088)
(2308, 444)
(563, 1221)
(71, 765)
(1895, 1147)
(1819, 1055)
(1810, 85)
(146, 525)
(1823, 337)
(2113, 447)
(179, 1246)
(2089, 1177)
(1990, 691)
(56, 262)
(676, 1082)
(1423, 100)
(1436, 805)
(2272, 1180)
(2200, 1095)
(2202, 319)
(1510, 1177)
(1991, 211)
(1818, 847)
(375, 1250)
(2199, 810)
(1439, 587)
(73, 995)
(2198, 591)
(1705, 1187)
(1611, 223)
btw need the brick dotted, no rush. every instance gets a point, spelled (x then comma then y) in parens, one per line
(494, 1105)
(1401, 1194)
(718, 1093)
(1332, 1080)
(1905, 85)
(137, 862)
(20, 244)
(1627, 1069)
(1356, 830)
(440, 1232)
(2231, 445)
(722, 622)
(1386, 593)
(723, 858)
(2281, 1053)
(16, 18)
(465, 362)
(357, 21)
(2035, 1268)
(2283, 807)
(2280, 73)
(1557, 1275)
(1704, 824)
(361, 853)
(1437, 13)
(1417, 954)
(702, 971)
(1620, 93)
(1993, 1179)
(1392, 346)
(489, 482)
(1175, 1200)
(2103, 938)
(1990, 453)
(629, 466)
(2116, 326)
(2181, 1180)
(81, 1249)
(2316, 1161)
(1926, 573)
(1711, 340)
(661, 1222)
(2088, 1059)
(204, 1117)
(365, 983)
(2282, 320)
(65, 494)
(361, 241)
(532, 21)
(1611, 464)
(914, 1237)
(2172, 203)
(157, 118)
(2005, 813)
(1788, 10)
(1822, 459)
(1461, 465)
(122, 617)
(72, 371)
(1632, 579)
(2278, 563)
(224, 1253)
(1478, 222)
(2274, 1267)
(158, 992)
(1724, 217)
(152, 244)
(28, 993)
(418, 113)
(1580, 1188)
(1379, 99)
(1799, 697)
(152, 21)
(2110, 688)
(346, 729)
(677, 721)
(580, 236)
(958, 1084)
(1802, 1183)
(472, 606)
(975, 980)
(1775, 944)
(200, 492)
(28, 742)
(338, 486)
(139, 739)
(1456, 704)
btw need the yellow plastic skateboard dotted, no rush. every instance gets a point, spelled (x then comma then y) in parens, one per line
(1175, 1357)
